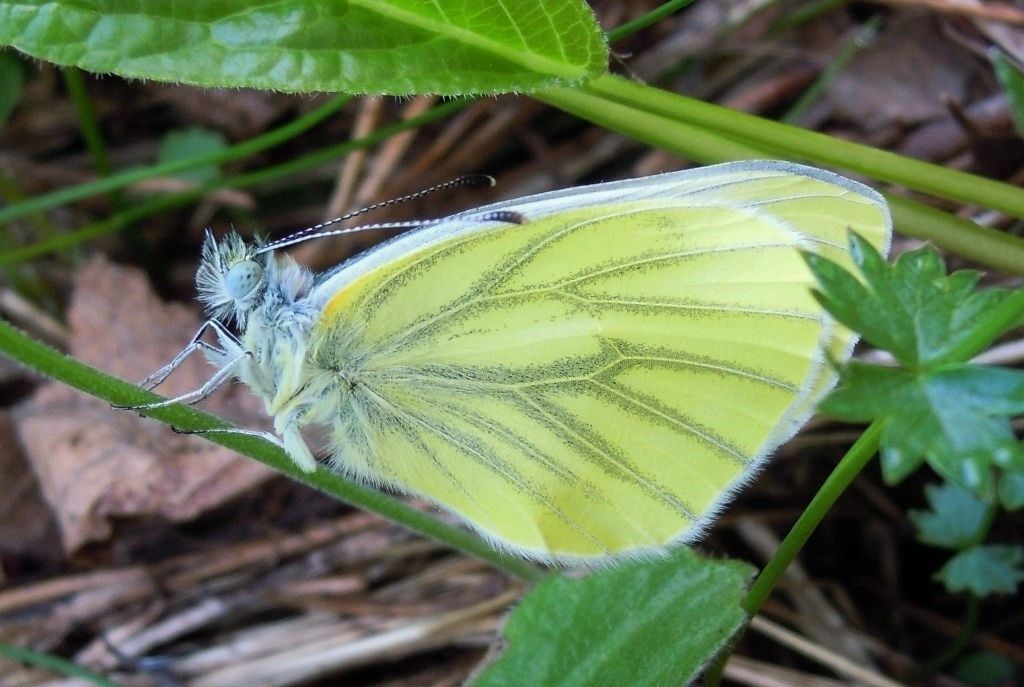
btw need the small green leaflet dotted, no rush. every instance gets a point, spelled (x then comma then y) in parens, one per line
(1012, 81)
(396, 47)
(936, 407)
(185, 143)
(956, 518)
(910, 308)
(643, 624)
(984, 570)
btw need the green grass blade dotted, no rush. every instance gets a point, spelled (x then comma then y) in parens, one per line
(983, 244)
(795, 143)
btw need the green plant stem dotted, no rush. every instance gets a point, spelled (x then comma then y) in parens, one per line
(972, 609)
(55, 365)
(652, 17)
(796, 143)
(983, 244)
(125, 219)
(930, 668)
(87, 120)
(54, 663)
(848, 468)
(117, 181)
(656, 129)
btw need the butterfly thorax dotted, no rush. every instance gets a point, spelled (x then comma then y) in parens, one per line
(266, 297)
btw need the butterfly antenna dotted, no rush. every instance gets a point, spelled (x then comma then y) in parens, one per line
(472, 180)
(505, 216)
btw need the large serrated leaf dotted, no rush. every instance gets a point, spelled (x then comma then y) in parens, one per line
(397, 47)
(640, 624)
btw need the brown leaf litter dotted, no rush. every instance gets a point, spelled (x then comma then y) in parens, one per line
(94, 463)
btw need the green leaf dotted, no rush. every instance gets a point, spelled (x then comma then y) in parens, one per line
(985, 669)
(398, 47)
(984, 570)
(1012, 81)
(1011, 489)
(187, 143)
(639, 624)
(956, 518)
(12, 77)
(938, 408)
(910, 308)
(956, 418)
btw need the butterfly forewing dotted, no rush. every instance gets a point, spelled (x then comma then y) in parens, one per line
(596, 380)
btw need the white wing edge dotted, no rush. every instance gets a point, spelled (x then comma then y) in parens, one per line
(542, 204)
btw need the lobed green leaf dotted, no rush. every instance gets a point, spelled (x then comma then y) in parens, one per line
(984, 570)
(955, 519)
(910, 308)
(956, 418)
(1011, 489)
(936, 407)
(1012, 81)
(397, 47)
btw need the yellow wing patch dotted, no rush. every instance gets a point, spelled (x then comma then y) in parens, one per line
(597, 380)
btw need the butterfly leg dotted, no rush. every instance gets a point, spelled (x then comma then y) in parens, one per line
(236, 431)
(222, 376)
(193, 345)
(292, 444)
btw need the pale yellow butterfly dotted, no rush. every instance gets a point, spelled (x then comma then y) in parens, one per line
(581, 375)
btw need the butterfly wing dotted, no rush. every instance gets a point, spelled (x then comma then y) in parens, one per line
(598, 379)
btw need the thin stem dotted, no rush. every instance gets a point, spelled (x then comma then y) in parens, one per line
(54, 663)
(848, 468)
(87, 120)
(983, 244)
(796, 143)
(972, 610)
(642, 22)
(117, 181)
(690, 141)
(54, 364)
(128, 217)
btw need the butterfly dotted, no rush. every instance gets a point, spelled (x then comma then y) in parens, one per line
(581, 375)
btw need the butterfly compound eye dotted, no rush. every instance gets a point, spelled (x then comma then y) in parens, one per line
(242, 278)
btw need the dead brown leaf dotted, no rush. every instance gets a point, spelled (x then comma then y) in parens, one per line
(26, 525)
(95, 463)
(905, 78)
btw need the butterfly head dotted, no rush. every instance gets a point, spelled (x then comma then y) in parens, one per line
(231, 277)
